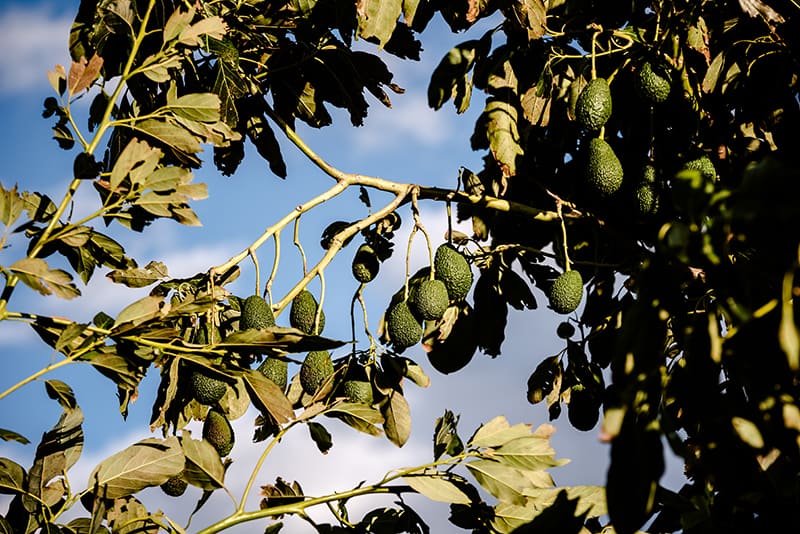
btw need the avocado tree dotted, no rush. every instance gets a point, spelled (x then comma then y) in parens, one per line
(639, 176)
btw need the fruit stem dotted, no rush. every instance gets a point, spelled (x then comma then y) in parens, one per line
(567, 262)
(300, 245)
(418, 224)
(275, 262)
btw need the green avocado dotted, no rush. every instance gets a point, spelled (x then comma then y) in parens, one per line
(403, 328)
(365, 264)
(452, 268)
(593, 107)
(256, 313)
(429, 300)
(218, 431)
(205, 388)
(603, 168)
(566, 292)
(175, 486)
(304, 311)
(317, 367)
(358, 391)
(276, 370)
(653, 82)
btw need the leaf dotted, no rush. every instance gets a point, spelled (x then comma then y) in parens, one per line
(177, 22)
(445, 436)
(150, 462)
(504, 482)
(11, 205)
(212, 26)
(711, 78)
(135, 277)
(527, 453)
(10, 435)
(452, 70)
(787, 331)
(129, 516)
(500, 119)
(83, 73)
(267, 396)
(591, 499)
(37, 275)
(363, 196)
(748, 432)
(437, 487)
(320, 436)
(276, 337)
(396, 418)
(230, 86)
(203, 107)
(61, 392)
(203, 467)
(38, 207)
(359, 416)
(378, 18)
(170, 134)
(12, 477)
(136, 152)
(141, 311)
(498, 432)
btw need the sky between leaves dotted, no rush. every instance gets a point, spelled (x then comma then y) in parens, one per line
(409, 143)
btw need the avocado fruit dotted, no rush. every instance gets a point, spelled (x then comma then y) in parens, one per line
(365, 264)
(175, 486)
(256, 313)
(276, 370)
(452, 268)
(704, 165)
(653, 82)
(455, 351)
(205, 388)
(403, 328)
(593, 107)
(583, 410)
(566, 292)
(217, 430)
(603, 168)
(316, 368)
(304, 311)
(358, 391)
(429, 300)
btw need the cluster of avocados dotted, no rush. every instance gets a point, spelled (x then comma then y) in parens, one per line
(429, 298)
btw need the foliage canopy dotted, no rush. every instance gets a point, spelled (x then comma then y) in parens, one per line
(685, 335)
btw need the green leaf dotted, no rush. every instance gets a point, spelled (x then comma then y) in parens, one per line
(267, 396)
(450, 75)
(527, 453)
(591, 499)
(445, 436)
(177, 22)
(230, 86)
(437, 486)
(11, 205)
(359, 416)
(135, 153)
(787, 331)
(504, 482)
(500, 118)
(170, 134)
(61, 392)
(378, 18)
(166, 179)
(12, 477)
(202, 107)
(213, 27)
(129, 516)
(204, 467)
(135, 277)
(276, 337)
(10, 435)
(38, 207)
(396, 418)
(37, 275)
(141, 311)
(748, 432)
(498, 432)
(320, 436)
(150, 462)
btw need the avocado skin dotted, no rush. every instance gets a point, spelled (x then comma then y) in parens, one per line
(365, 264)
(603, 169)
(206, 389)
(653, 82)
(276, 370)
(358, 391)
(218, 431)
(256, 313)
(566, 292)
(452, 268)
(403, 328)
(315, 370)
(593, 107)
(175, 486)
(304, 311)
(429, 300)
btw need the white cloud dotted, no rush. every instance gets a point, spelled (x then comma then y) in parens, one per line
(31, 38)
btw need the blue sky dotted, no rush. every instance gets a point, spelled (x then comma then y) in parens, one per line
(408, 143)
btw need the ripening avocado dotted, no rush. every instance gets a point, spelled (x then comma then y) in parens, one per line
(429, 300)
(358, 391)
(403, 328)
(205, 388)
(175, 486)
(217, 430)
(653, 82)
(704, 165)
(593, 107)
(256, 313)
(365, 264)
(566, 292)
(276, 370)
(603, 169)
(646, 199)
(649, 174)
(304, 311)
(317, 367)
(583, 410)
(452, 268)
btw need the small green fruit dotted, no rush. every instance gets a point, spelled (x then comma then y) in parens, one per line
(653, 82)
(205, 388)
(593, 107)
(317, 367)
(603, 169)
(565, 330)
(175, 486)
(256, 313)
(566, 292)
(429, 300)
(218, 431)
(276, 370)
(403, 329)
(452, 268)
(358, 391)
(365, 264)
(304, 311)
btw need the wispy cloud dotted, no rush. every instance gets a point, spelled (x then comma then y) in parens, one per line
(32, 38)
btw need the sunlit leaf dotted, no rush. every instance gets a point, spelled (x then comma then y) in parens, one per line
(397, 418)
(204, 467)
(378, 18)
(141, 311)
(12, 477)
(136, 277)
(504, 482)
(498, 432)
(267, 396)
(36, 274)
(150, 462)
(437, 487)
(748, 432)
